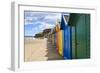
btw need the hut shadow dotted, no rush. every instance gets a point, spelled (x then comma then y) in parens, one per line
(52, 52)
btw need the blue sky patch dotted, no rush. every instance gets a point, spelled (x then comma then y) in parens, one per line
(35, 22)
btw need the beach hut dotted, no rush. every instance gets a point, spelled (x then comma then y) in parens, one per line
(52, 37)
(60, 39)
(57, 38)
(80, 24)
(67, 50)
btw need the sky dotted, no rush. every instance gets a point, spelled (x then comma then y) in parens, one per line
(35, 22)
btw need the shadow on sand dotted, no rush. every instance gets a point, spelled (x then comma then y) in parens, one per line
(52, 52)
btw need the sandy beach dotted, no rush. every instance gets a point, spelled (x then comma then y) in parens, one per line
(39, 50)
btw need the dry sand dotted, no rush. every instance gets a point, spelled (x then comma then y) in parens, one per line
(39, 50)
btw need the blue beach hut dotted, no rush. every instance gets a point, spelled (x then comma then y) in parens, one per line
(66, 37)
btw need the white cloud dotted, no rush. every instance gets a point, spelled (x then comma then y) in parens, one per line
(53, 17)
(48, 26)
(45, 17)
(45, 26)
(56, 16)
(30, 20)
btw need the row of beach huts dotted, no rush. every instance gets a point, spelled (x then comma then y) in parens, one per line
(71, 36)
